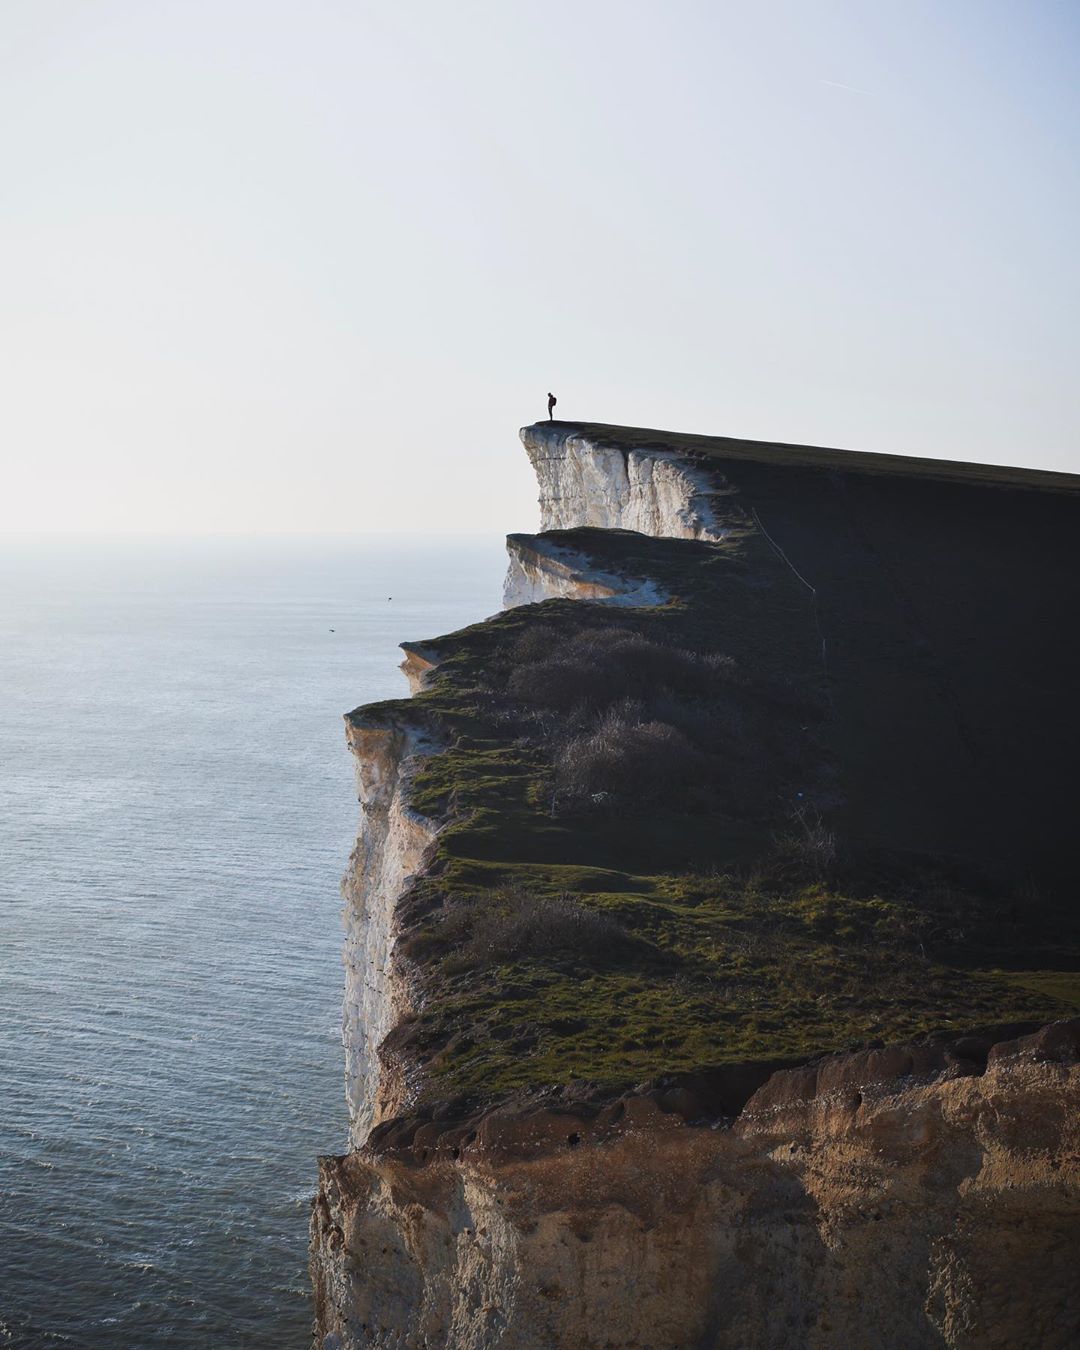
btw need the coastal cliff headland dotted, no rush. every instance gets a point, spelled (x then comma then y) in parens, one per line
(712, 945)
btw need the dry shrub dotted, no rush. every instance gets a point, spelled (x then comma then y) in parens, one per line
(623, 755)
(511, 922)
(597, 667)
(808, 848)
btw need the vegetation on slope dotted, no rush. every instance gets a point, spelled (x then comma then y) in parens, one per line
(641, 873)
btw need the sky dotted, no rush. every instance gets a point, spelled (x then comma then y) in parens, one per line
(305, 266)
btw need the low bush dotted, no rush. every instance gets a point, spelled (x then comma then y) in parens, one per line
(629, 721)
(808, 847)
(510, 923)
(624, 756)
(597, 667)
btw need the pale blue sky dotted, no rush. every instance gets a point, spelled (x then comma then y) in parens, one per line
(303, 266)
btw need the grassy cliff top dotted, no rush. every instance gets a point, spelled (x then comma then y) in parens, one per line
(649, 866)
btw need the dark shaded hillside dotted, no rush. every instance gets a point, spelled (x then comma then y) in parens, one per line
(656, 852)
(948, 597)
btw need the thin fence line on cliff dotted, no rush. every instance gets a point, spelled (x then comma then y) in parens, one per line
(813, 591)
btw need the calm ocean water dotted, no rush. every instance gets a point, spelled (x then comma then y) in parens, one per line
(176, 810)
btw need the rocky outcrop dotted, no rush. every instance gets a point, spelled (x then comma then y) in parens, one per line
(390, 847)
(541, 569)
(420, 660)
(925, 1210)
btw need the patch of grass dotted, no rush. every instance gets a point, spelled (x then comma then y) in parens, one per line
(508, 923)
(709, 971)
(1060, 986)
(711, 907)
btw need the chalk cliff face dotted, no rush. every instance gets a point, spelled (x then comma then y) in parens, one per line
(651, 490)
(389, 848)
(420, 660)
(543, 569)
(906, 1196)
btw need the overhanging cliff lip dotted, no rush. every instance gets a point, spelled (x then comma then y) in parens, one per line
(717, 449)
(419, 663)
(388, 715)
(429, 651)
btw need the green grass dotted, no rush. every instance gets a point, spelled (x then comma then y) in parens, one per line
(737, 946)
(1062, 986)
(725, 969)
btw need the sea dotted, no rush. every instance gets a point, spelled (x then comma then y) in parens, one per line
(176, 810)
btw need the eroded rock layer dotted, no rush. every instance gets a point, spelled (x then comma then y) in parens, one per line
(897, 1214)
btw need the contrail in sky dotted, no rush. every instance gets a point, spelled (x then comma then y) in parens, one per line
(835, 84)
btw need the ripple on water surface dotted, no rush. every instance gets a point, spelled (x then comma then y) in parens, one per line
(176, 808)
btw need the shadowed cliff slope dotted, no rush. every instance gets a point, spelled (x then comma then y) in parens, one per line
(946, 595)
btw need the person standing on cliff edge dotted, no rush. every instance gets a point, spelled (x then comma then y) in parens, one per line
(552, 400)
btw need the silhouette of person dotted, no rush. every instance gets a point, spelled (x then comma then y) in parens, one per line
(552, 400)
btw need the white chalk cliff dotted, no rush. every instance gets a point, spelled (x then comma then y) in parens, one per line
(544, 569)
(653, 491)
(389, 849)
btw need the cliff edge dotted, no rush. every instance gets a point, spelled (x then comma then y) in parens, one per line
(711, 944)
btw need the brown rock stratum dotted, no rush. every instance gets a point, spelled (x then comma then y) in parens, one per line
(848, 1204)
